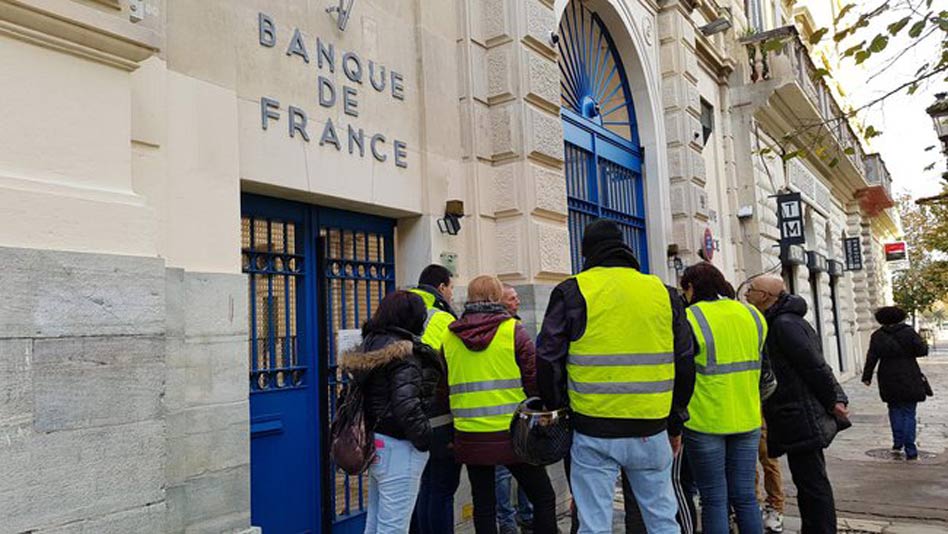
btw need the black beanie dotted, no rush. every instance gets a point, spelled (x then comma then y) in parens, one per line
(598, 233)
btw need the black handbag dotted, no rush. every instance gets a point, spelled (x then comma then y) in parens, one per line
(928, 387)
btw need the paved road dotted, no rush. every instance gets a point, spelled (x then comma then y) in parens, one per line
(887, 489)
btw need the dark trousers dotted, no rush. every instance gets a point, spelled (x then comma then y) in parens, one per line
(684, 492)
(534, 481)
(434, 509)
(814, 492)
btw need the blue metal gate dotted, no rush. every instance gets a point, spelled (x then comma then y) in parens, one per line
(602, 152)
(311, 272)
(357, 269)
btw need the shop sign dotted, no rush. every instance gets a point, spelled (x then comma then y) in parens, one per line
(708, 244)
(361, 76)
(835, 268)
(852, 247)
(790, 219)
(816, 262)
(896, 255)
(793, 255)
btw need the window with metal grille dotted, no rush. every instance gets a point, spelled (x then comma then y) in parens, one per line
(602, 153)
(358, 270)
(269, 255)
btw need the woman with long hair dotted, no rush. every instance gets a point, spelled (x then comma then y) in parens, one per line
(722, 436)
(895, 347)
(398, 375)
(491, 369)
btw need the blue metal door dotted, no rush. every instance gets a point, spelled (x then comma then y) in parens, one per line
(311, 272)
(602, 152)
(278, 254)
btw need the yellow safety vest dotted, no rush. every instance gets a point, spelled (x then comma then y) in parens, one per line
(485, 386)
(727, 392)
(437, 321)
(623, 367)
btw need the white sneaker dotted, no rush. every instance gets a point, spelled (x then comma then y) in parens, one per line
(773, 520)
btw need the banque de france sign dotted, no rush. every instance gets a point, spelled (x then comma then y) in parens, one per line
(360, 75)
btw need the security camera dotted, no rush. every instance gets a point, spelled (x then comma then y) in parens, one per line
(554, 38)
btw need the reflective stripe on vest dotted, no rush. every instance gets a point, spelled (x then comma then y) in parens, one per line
(623, 366)
(440, 420)
(712, 367)
(485, 386)
(436, 320)
(730, 336)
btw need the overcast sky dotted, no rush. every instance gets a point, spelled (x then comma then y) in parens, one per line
(906, 129)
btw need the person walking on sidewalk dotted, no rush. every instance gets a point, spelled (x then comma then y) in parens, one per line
(723, 433)
(434, 511)
(617, 348)
(772, 497)
(895, 347)
(804, 413)
(491, 370)
(508, 516)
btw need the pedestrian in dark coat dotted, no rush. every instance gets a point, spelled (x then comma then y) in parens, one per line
(399, 375)
(895, 347)
(804, 413)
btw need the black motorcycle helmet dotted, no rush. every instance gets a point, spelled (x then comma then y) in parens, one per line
(540, 437)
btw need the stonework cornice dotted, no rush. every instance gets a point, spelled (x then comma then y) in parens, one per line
(79, 30)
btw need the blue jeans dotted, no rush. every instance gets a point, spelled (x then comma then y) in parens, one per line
(647, 463)
(506, 514)
(394, 479)
(724, 468)
(434, 512)
(902, 419)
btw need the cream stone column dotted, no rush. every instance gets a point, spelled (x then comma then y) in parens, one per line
(420, 242)
(512, 143)
(679, 64)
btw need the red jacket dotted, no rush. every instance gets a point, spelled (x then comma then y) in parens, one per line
(476, 329)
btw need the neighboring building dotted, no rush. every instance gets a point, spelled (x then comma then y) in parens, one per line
(197, 196)
(846, 192)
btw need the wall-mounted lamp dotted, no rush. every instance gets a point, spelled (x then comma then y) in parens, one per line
(674, 262)
(718, 25)
(453, 212)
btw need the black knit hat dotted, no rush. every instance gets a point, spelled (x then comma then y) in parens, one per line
(599, 233)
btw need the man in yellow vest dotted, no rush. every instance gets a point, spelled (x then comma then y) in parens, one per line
(434, 510)
(617, 348)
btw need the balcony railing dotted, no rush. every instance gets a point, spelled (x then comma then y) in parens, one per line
(877, 173)
(780, 56)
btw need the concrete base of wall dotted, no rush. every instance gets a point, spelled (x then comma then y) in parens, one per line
(123, 396)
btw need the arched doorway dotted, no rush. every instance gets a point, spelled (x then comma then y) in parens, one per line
(603, 154)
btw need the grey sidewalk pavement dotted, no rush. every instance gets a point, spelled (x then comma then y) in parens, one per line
(878, 493)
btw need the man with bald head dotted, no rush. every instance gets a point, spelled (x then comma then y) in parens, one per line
(804, 413)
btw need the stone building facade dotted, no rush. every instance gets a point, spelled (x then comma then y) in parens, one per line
(194, 193)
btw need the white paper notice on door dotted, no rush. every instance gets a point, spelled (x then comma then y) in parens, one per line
(347, 340)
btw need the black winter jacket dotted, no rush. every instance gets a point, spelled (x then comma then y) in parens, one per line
(799, 413)
(399, 375)
(894, 348)
(565, 322)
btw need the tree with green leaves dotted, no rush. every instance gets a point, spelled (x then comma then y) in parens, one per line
(925, 282)
(859, 35)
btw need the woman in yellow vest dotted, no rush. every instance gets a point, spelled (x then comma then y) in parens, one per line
(722, 434)
(491, 370)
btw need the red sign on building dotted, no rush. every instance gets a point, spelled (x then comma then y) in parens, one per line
(896, 251)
